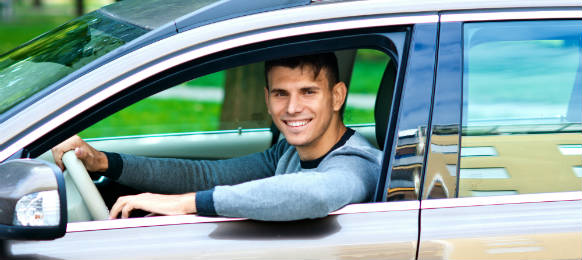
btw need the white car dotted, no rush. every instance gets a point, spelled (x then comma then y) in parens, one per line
(475, 105)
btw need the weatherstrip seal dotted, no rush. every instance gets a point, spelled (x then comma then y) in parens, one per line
(510, 15)
(502, 200)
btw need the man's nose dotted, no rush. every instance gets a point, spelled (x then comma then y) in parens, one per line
(294, 105)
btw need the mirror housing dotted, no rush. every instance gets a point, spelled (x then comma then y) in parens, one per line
(32, 200)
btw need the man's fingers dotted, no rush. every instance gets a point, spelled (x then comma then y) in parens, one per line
(80, 153)
(70, 144)
(124, 205)
(156, 203)
(58, 156)
(119, 204)
(127, 208)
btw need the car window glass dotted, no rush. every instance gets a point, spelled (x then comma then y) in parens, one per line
(521, 126)
(43, 61)
(233, 99)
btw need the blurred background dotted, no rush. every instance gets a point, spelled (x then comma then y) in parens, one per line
(23, 20)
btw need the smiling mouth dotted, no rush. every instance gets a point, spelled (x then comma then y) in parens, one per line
(296, 123)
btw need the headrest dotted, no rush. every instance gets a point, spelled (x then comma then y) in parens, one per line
(384, 102)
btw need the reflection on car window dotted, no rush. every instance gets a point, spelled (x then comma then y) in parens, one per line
(521, 108)
(43, 61)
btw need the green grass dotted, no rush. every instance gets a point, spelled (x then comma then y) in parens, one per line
(26, 27)
(151, 116)
(27, 22)
(210, 80)
(358, 116)
(368, 70)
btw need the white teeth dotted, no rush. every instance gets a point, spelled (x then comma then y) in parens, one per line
(296, 123)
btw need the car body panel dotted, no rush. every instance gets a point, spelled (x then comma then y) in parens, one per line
(344, 234)
(531, 226)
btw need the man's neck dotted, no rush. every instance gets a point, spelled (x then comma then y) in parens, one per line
(319, 149)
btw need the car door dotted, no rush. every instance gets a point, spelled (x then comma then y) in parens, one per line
(503, 174)
(370, 230)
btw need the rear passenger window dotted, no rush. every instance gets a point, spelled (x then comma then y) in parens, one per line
(521, 126)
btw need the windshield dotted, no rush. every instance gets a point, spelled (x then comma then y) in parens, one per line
(43, 61)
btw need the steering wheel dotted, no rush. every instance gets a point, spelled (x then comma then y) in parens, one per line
(91, 196)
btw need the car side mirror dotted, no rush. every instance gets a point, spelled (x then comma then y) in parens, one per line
(32, 200)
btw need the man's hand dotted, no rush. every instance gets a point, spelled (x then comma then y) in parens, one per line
(156, 203)
(94, 161)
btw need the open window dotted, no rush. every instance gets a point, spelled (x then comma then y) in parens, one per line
(214, 108)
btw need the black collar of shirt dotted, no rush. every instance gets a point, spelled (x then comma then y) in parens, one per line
(311, 164)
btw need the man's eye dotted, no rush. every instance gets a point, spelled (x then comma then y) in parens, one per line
(310, 92)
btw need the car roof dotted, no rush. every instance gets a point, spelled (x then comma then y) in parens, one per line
(153, 14)
(188, 14)
(168, 17)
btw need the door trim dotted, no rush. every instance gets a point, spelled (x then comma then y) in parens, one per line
(500, 200)
(194, 219)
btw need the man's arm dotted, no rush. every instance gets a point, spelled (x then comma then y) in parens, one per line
(165, 175)
(343, 179)
(340, 180)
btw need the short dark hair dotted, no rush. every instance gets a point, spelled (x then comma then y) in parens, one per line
(317, 61)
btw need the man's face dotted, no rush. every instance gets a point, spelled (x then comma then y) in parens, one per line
(304, 108)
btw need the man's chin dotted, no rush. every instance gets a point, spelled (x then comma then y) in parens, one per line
(296, 141)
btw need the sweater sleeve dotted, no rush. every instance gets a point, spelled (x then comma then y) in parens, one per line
(165, 175)
(346, 177)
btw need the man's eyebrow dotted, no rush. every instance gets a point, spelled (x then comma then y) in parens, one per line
(277, 90)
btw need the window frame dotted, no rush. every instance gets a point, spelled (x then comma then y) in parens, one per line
(372, 38)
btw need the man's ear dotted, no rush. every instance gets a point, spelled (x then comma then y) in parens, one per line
(267, 100)
(338, 93)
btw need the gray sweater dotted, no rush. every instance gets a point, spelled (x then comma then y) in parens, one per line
(273, 185)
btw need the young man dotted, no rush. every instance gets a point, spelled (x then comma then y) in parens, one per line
(319, 167)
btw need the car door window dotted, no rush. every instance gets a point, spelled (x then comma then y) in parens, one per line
(208, 103)
(195, 119)
(521, 125)
(234, 99)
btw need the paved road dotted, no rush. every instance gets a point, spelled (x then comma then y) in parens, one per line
(212, 94)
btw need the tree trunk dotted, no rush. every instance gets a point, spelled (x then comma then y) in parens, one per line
(244, 98)
(79, 7)
(37, 3)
